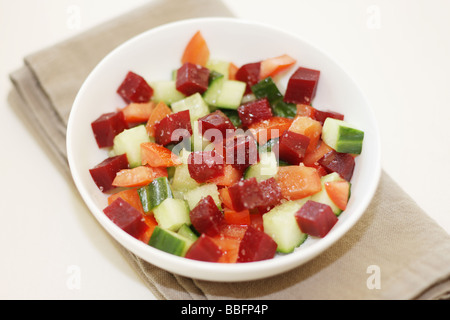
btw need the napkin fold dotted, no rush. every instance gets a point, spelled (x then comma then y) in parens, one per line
(395, 251)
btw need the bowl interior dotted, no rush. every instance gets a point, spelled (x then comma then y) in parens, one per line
(154, 55)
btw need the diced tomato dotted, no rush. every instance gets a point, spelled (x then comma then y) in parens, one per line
(311, 157)
(196, 51)
(224, 195)
(228, 242)
(155, 155)
(230, 176)
(160, 111)
(297, 182)
(265, 130)
(237, 217)
(232, 70)
(151, 222)
(304, 110)
(138, 177)
(308, 127)
(129, 195)
(273, 66)
(338, 191)
(138, 112)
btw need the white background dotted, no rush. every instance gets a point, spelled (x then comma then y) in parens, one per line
(398, 51)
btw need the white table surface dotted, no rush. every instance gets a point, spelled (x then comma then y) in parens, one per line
(50, 245)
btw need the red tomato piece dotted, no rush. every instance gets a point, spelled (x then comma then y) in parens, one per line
(155, 155)
(159, 112)
(138, 112)
(268, 129)
(138, 177)
(196, 51)
(297, 182)
(273, 66)
(308, 127)
(339, 192)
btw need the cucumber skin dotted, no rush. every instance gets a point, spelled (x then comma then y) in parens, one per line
(342, 137)
(155, 193)
(169, 242)
(171, 214)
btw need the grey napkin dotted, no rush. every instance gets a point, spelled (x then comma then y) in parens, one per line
(395, 251)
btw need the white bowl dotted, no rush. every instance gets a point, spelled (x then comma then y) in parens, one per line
(154, 54)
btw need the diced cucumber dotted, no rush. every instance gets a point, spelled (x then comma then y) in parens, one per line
(231, 94)
(280, 224)
(322, 196)
(155, 193)
(193, 196)
(342, 136)
(195, 104)
(129, 142)
(267, 88)
(266, 168)
(171, 214)
(182, 181)
(187, 232)
(198, 142)
(169, 241)
(211, 95)
(219, 66)
(166, 92)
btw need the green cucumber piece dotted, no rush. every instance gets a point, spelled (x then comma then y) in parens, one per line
(231, 94)
(198, 142)
(182, 181)
(169, 241)
(267, 88)
(342, 136)
(266, 168)
(166, 92)
(322, 196)
(129, 142)
(193, 196)
(187, 232)
(211, 95)
(171, 214)
(219, 66)
(280, 224)
(155, 193)
(195, 104)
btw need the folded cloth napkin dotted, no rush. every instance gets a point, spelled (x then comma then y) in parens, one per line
(395, 251)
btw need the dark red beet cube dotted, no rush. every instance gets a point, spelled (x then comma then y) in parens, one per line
(246, 194)
(322, 115)
(126, 217)
(302, 86)
(315, 219)
(173, 128)
(206, 217)
(342, 163)
(291, 147)
(241, 151)
(215, 125)
(107, 126)
(205, 165)
(192, 78)
(104, 173)
(255, 111)
(249, 73)
(204, 249)
(256, 245)
(135, 89)
(271, 194)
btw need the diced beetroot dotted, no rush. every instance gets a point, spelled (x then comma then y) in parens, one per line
(315, 219)
(302, 86)
(246, 194)
(107, 126)
(192, 78)
(206, 217)
(173, 128)
(135, 89)
(291, 147)
(249, 73)
(342, 163)
(126, 217)
(255, 111)
(322, 115)
(205, 165)
(241, 151)
(204, 249)
(271, 194)
(216, 120)
(256, 246)
(105, 172)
